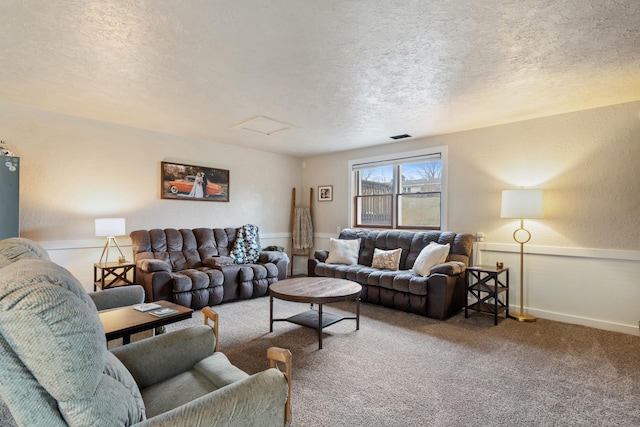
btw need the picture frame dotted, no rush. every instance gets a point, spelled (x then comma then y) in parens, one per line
(325, 193)
(177, 182)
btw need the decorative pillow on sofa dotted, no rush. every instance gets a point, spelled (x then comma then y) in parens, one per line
(431, 255)
(386, 260)
(343, 251)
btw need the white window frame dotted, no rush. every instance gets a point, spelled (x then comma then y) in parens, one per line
(444, 158)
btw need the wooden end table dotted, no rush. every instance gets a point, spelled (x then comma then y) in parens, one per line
(113, 274)
(315, 290)
(125, 321)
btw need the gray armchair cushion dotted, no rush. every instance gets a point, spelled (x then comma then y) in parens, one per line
(16, 248)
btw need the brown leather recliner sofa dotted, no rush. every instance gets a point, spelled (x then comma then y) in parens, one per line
(438, 295)
(193, 268)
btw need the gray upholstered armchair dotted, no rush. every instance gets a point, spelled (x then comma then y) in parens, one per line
(56, 369)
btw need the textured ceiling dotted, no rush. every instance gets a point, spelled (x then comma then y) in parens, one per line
(342, 74)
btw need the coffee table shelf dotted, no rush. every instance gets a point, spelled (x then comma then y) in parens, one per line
(310, 319)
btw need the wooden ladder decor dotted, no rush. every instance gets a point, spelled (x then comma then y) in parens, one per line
(298, 253)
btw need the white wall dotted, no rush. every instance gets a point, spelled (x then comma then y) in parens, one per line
(587, 164)
(74, 170)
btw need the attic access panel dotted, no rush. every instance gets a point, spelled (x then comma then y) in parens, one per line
(263, 125)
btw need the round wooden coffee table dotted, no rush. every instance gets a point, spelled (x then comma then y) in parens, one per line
(315, 290)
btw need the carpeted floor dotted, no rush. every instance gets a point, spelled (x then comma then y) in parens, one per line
(405, 370)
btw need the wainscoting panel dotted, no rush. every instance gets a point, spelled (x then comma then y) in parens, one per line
(590, 287)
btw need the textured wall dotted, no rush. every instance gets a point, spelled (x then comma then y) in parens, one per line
(75, 170)
(586, 162)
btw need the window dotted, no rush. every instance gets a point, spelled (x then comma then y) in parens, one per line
(404, 190)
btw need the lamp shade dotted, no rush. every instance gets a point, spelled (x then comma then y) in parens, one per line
(109, 227)
(521, 204)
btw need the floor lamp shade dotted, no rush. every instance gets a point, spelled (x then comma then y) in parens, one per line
(522, 204)
(110, 228)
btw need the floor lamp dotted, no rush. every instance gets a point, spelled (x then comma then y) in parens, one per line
(110, 228)
(522, 204)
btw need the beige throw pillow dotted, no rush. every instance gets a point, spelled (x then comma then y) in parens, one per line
(386, 260)
(431, 255)
(343, 251)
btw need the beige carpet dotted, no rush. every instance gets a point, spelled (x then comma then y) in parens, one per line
(405, 370)
(401, 369)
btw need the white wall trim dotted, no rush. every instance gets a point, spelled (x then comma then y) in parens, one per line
(616, 254)
(579, 320)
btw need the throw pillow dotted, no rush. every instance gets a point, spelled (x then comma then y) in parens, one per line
(343, 251)
(386, 260)
(431, 255)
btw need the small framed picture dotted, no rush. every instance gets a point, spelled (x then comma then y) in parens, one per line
(325, 193)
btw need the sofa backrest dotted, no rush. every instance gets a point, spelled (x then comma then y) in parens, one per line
(411, 243)
(183, 248)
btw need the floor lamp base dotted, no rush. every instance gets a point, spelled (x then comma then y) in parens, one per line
(523, 317)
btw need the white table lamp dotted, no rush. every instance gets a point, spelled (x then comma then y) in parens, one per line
(522, 204)
(110, 228)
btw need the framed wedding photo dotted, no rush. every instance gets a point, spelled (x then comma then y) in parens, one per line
(190, 182)
(325, 193)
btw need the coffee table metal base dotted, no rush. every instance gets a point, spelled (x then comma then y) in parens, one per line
(316, 319)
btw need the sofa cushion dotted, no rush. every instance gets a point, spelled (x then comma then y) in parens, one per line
(432, 254)
(386, 260)
(343, 251)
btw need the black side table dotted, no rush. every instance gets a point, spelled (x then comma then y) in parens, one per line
(484, 285)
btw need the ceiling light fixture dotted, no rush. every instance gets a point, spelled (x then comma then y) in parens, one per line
(404, 135)
(263, 125)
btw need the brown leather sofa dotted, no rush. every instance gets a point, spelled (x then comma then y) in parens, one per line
(438, 295)
(193, 268)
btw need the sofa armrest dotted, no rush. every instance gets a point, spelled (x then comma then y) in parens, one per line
(321, 255)
(273, 256)
(257, 400)
(447, 295)
(156, 359)
(153, 265)
(117, 297)
(279, 259)
(217, 261)
(449, 268)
